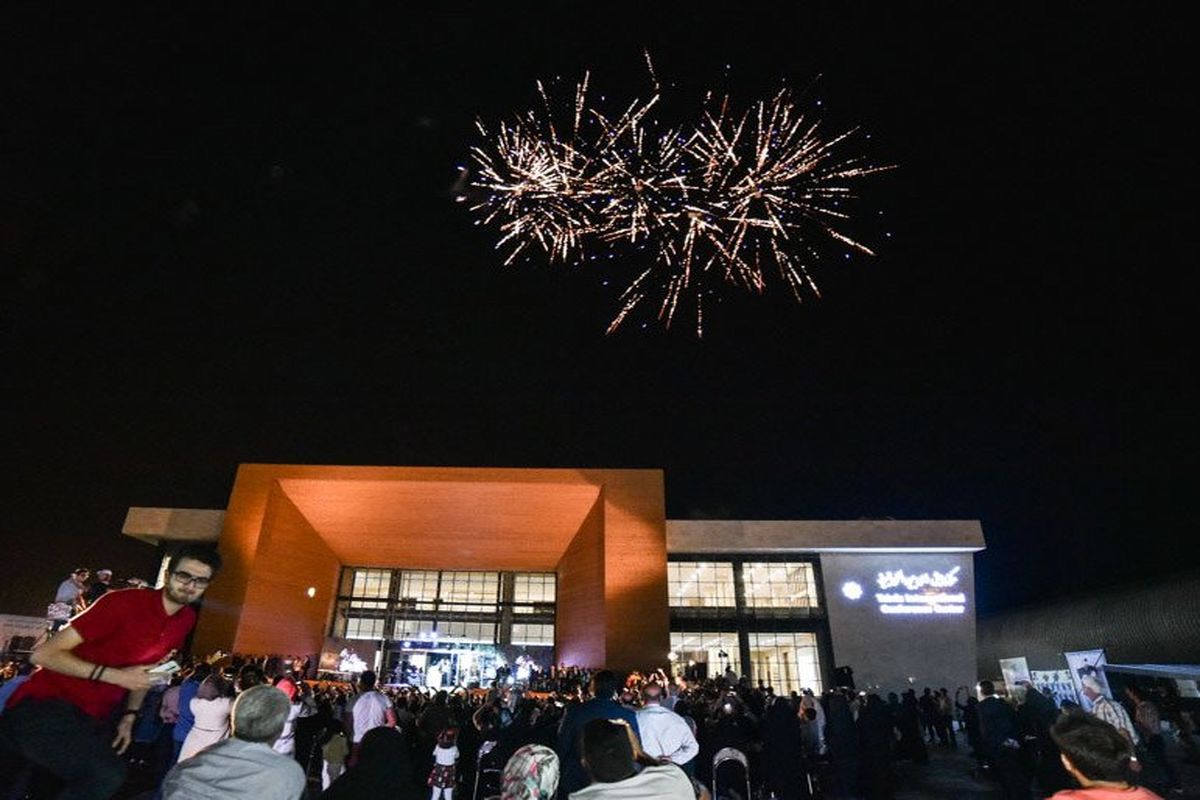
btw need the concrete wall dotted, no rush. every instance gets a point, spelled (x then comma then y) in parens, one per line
(808, 536)
(885, 650)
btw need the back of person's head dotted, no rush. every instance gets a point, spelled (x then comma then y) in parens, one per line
(987, 688)
(531, 774)
(607, 751)
(197, 552)
(259, 714)
(250, 675)
(213, 687)
(384, 748)
(367, 680)
(201, 671)
(605, 683)
(1095, 748)
(448, 738)
(652, 693)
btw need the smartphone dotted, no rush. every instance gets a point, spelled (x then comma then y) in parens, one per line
(165, 668)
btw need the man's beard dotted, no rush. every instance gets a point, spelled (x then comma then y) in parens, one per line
(177, 597)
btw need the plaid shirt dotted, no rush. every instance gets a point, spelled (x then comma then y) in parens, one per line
(1116, 715)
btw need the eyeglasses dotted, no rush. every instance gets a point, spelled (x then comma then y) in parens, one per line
(190, 580)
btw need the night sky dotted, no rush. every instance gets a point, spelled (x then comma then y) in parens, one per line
(229, 237)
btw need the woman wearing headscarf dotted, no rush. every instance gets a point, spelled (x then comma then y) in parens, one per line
(842, 738)
(384, 769)
(531, 774)
(875, 737)
(782, 752)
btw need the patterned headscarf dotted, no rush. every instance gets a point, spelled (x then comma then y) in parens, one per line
(531, 774)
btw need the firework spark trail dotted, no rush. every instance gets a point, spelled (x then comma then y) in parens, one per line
(726, 201)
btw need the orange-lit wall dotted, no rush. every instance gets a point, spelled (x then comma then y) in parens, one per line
(635, 584)
(291, 557)
(579, 622)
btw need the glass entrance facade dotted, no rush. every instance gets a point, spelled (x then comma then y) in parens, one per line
(760, 617)
(448, 628)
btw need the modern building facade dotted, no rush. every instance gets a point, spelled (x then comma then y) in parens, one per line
(458, 569)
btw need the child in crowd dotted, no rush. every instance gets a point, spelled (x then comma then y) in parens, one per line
(444, 775)
(334, 753)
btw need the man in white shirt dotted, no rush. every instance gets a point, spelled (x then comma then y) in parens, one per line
(371, 710)
(608, 757)
(665, 735)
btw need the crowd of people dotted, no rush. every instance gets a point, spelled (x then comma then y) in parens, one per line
(88, 725)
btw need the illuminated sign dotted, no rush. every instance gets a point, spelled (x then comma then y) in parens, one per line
(921, 593)
(852, 590)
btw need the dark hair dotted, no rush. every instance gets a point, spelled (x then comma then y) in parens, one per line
(607, 751)
(250, 675)
(367, 679)
(605, 683)
(987, 688)
(197, 552)
(1097, 749)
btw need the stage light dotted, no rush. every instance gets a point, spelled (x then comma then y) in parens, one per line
(852, 590)
(312, 592)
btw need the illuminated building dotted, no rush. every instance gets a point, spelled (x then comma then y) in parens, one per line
(424, 564)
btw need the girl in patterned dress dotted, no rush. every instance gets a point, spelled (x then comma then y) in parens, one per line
(444, 775)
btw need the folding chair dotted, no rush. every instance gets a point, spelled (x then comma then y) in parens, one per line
(723, 756)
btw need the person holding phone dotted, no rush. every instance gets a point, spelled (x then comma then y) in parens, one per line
(96, 671)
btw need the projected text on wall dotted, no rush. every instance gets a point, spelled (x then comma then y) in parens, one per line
(920, 593)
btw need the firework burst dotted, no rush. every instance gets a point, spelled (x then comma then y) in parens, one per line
(729, 201)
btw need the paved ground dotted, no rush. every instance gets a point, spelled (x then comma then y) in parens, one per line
(948, 776)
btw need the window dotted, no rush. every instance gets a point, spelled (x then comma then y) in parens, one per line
(413, 629)
(700, 584)
(788, 662)
(470, 632)
(532, 633)
(779, 585)
(371, 583)
(534, 587)
(364, 628)
(470, 587)
(707, 653)
(418, 589)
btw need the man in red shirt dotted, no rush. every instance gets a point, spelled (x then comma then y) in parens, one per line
(102, 664)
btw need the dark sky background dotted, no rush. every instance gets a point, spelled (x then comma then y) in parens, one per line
(228, 237)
